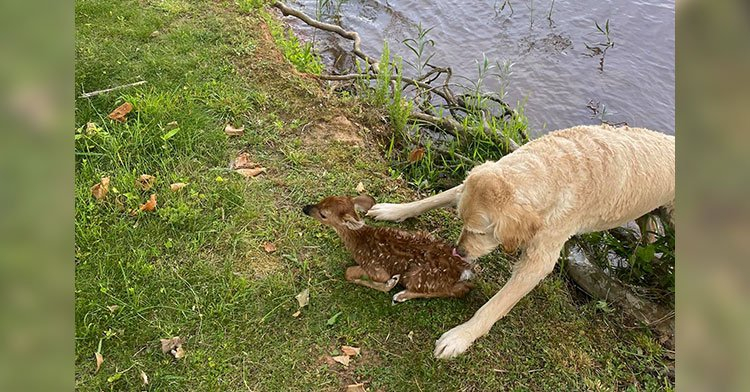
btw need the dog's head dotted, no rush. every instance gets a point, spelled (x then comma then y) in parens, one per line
(340, 211)
(492, 216)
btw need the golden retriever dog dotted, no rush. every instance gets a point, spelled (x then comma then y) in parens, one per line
(572, 181)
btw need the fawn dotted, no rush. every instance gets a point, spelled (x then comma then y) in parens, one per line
(426, 266)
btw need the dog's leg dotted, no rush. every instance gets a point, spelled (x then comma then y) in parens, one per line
(380, 280)
(399, 212)
(535, 264)
(458, 290)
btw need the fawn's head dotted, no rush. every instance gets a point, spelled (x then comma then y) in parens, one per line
(340, 211)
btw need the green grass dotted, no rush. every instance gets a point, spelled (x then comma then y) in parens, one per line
(196, 268)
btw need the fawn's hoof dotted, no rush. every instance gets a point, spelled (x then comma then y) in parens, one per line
(399, 297)
(393, 281)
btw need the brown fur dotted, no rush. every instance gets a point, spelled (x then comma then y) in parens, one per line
(425, 266)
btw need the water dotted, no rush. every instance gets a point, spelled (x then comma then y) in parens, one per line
(554, 73)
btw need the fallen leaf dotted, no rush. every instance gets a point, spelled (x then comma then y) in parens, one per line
(145, 182)
(350, 351)
(269, 247)
(342, 359)
(243, 165)
(150, 205)
(296, 314)
(144, 378)
(411, 336)
(173, 346)
(232, 131)
(172, 124)
(303, 298)
(333, 319)
(100, 190)
(249, 173)
(177, 186)
(155, 33)
(356, 388)
(416, 155)
(121, 111)
(112, 308)
(114, 377)
(99, 360)
(360, 187)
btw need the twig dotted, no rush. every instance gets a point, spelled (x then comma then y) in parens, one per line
(351, 35)
(97, 92)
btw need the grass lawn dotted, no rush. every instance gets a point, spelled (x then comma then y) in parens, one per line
(196, 267)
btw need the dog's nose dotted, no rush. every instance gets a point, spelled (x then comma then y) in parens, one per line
(306, 209)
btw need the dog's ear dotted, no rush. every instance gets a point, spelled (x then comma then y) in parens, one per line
(352, 221)
(363, 202)
(517, 227)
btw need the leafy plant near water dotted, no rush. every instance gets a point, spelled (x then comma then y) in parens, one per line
(429, 158)
(646, 265)
(301, 55)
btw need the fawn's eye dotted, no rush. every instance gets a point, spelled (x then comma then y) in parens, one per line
(322, 215)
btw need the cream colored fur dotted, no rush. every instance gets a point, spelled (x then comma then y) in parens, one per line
(572, 181)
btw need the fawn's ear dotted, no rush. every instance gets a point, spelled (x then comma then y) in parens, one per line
(363, 202)
(352, 221)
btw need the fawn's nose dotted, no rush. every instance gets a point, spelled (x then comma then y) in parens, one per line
(306, 209)
(460, 252)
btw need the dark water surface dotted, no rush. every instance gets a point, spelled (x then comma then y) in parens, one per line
(554, 73)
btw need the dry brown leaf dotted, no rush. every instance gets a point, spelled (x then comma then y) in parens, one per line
(243, 162)
(296, 314)
(100, 190)
(350, 351)
(150, 205)
(121, 111)
(99, 360)
(172, 125)
(144, 378)
(342, 359)
(145, 182)
(177, 186)
(249, 173)
(303, 298)
(173, 346)
(269, 247)
(113, 308)
(356, 388)
(416, 155)
(360, 187)
(232, 131)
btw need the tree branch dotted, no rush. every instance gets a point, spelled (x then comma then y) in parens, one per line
(350, 35)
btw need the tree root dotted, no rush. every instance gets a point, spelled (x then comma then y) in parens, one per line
(599, 285)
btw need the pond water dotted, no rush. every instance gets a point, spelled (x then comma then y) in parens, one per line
(560, 81)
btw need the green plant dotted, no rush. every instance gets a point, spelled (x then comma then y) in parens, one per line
(301, 55)
(420, 46)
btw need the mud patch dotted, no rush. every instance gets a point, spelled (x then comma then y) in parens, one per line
(338, 129)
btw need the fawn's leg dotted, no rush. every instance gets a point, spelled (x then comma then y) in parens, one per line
(458, 290)
(379, 278)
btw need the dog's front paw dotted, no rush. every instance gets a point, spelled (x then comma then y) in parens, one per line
(454, 342)
(388, 212)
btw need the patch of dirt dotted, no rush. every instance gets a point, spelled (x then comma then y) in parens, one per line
(339, 129)
(258, 264)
